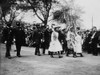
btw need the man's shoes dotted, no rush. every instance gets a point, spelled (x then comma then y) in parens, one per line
(51, 56)
(60, 56)
(74, 56)
(43, 53)
(19, 56)
(15, 50)
(9, 57)
(39, 54)
(48, 53)
(82, 55)
(62, 52)
(67, 54)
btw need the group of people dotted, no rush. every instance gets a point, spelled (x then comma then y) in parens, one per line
(11, 35)
(53, 39)
(91, 42)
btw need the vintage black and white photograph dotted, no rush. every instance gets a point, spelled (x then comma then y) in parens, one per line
(49, 37)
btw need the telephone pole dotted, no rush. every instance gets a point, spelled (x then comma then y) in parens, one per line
(92, 21)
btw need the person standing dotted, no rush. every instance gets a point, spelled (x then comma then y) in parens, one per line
(78, 44)
(62, 39)
(98, 44)
(86, 45)
(90, 40)
(37, 40)
(46, 36)
(95, 41)
(8, 39)
(19, 38)
(55, 45)
(70, 42)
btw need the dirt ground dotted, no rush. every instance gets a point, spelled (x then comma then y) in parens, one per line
(29, 64)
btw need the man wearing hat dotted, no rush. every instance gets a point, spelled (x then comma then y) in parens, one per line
(95, 41)
(8, 39)
(37, 40)
(19, 38)
(46, 39)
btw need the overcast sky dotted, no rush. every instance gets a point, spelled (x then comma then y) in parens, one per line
(91, 8)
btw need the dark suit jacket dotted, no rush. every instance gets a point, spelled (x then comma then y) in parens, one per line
(96, 40)
(37, 38)
(19, 36)
(8, 35)
(96, 37)
(46, 36)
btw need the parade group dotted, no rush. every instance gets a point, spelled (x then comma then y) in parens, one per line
(53, 39)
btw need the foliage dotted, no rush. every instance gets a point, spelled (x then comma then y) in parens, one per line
(10, 7)
(5, 5)
(68, 15)
(41, 8)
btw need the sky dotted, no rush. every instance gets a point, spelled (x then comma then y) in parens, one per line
(91, 10)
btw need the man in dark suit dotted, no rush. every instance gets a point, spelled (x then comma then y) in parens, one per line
(87, 43)
(37, 40)
(8, 39)
(95, 41)
(46, 39)
(98, 44)
(19, 38)
(89, 40)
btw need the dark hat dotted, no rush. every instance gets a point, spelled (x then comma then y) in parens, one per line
(53, 24)
(18, 23)
(34, 27)
(9, 24)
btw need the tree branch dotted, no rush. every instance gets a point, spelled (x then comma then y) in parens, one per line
(35, 11)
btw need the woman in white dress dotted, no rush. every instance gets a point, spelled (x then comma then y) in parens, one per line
(70, 43)
(55, 45)
(78, 44)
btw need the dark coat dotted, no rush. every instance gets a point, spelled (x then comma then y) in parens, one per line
(8, 35)
(62, 37)
(46, 37)
(37, 38)
(19, 36)
(95, 40)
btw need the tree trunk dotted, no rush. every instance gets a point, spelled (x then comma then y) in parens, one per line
(1, 24)
(0, 14)
(45, 22)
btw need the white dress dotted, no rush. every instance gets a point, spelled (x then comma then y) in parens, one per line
(78, 44)
(55, 45)
(70, 40)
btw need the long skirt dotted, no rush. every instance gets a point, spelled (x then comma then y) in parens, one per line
(55, 46)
